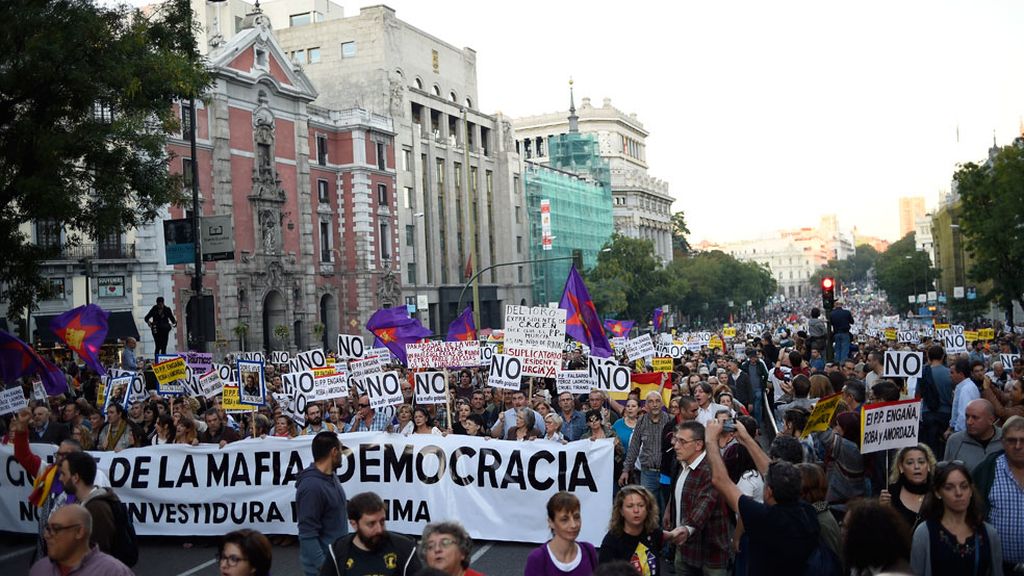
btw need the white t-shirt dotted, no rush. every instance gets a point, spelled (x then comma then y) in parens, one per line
(752, 484)
(566, 566)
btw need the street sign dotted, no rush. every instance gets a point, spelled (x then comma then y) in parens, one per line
(218, 238)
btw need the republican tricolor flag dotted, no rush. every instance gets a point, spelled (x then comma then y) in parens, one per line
(619, 328)
(463, 327)
(83, 330)
(582, 322)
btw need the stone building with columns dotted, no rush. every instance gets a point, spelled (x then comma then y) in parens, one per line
(311, 195)
(641, 203)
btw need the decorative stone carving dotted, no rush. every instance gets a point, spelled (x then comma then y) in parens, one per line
(266, 184)
(270, 231)
(388, 291)
(396, 91)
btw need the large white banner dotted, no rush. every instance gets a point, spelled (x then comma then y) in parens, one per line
(206, 490)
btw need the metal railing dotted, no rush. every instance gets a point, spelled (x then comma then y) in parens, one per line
(97, 251)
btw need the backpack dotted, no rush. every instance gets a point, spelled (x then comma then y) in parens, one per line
(126, 542)
(822, 562)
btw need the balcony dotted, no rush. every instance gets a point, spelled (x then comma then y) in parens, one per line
(103, 251)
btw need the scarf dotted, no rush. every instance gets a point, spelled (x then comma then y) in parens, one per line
(114, 437)
(918, 489)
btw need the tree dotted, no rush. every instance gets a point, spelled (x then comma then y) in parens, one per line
(851, 270)
(992, 222)
(625, 283)
(85, 109)
(680, 245)
(902, 271)
(701, 287)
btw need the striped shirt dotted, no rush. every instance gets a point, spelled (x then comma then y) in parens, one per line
(1006, 500)
(646, 443)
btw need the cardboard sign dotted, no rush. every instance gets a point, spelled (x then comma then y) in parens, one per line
(225, 371)
(330, 383)
(12, 400)
(662, 364)
(230, 400)
(279, 357)
(1007, 360)
(211, 384)
(487, 351)
(907, 336)
(249, 356)
(439, 354)
(639, 347)
(358, 370)
(252, 385)
(970, 335)
(987, 334)
(381, 356)
(672, 350)
(612, 379)
(821, 416)
(890, 334)
(903, 364)
(506, 372)
(573, 381)
(716, 343)
(729, 332)
(383, 389)
(350, 346)
(301, 386)
(308, 360)
(431, 388)
(889, 425)
(954, 343)
(170, 376)
(536, 336)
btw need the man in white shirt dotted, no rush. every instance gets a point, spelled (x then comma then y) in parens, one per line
(964, 390)
(874, 367)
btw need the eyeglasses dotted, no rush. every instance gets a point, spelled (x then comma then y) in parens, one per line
(682, 441)
(231, 560)
(1015, 442)
(52, 529)
(442, 544)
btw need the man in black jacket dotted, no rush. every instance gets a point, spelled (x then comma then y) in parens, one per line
(45, 430)
(370, 548)
(160, 319)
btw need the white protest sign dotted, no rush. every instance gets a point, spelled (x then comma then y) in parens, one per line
(908, 336)
(1007, 360)
(331, 385)
(279, 357)
(382, 356)
(672, 349)
(438, 354)
(120, 389)
(350, 346)
(431, 388)
(486, 352)
(617, 342)
(612, 378)
(902, 364)
(12, 400)
(137, 391)
(301, 386)
(225, 371)
(506, 372)
(38, 391)
(890, 425)
(573, 381)
(211, 383)
(954, 343)
(535, 335)
(358, 370)
(639, 347)
(595, 363)
(307, 360)
(383, 389)
(249, 356)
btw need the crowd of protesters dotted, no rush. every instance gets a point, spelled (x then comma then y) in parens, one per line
(720, 479)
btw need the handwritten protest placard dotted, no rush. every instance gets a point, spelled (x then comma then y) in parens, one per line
(12, 400)
(573, 381)
(536, 336)
(168, 374)
(438, 354)
(639, 347)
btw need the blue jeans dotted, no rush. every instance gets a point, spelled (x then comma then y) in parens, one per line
(312, 553)
(842, 340)
(651, 479)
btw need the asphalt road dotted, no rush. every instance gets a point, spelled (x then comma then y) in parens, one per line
(176, 556)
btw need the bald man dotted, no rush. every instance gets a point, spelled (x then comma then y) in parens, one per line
(981, 437)
(67, 536)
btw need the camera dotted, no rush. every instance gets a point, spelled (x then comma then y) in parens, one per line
(729, 425)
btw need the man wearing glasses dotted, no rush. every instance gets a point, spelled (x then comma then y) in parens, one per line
(367, 419)
(1000, 482)
(67, 535)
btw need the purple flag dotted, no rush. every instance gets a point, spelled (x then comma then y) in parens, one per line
(393, 329)
(83, 330)
(463, 327)
(18, 359)
(658, 314)
(582, 321)
(619, 327)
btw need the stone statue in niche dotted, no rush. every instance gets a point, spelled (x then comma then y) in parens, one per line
(297, 294)
(388, 292)
(274, 271)
(243, 302)
(506, 131)
(395, 92)
(270, 231)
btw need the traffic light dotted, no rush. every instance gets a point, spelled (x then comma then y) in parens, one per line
(828, 292)
(577, 258)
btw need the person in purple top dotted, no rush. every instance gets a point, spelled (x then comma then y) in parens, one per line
(563, 554)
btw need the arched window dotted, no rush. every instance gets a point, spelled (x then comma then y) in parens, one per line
(469, 103)
(419, 84)
(437, 90)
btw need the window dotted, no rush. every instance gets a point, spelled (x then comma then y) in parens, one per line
(186, 119)
(410, 270)
(469, 103)
(56, 289)
(452, 96)
(325, 240)
(385, 243)
(382, 158)
(519, 244)
(261, 58)
(419, 84)
(348, 49)
(322, 193)
(314, 55)
(102, 112)
(299, 19)
(437, 90)
(48, 233)
(410, 234)
(382, 194)
(519, 273)
(299, 56)
(407, 197)
(406, 159)
(321, 149)
(187, 171)
(519, 215)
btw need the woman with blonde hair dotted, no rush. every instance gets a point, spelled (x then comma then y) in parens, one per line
(633, 532)
(910, 476)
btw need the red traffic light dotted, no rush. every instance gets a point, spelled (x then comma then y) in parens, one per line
(827, 283)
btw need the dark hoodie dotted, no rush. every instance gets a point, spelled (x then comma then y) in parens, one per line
(782, 536)
(322, 507)
(100, 503)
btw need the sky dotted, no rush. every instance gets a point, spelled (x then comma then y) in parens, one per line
(763, 115)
